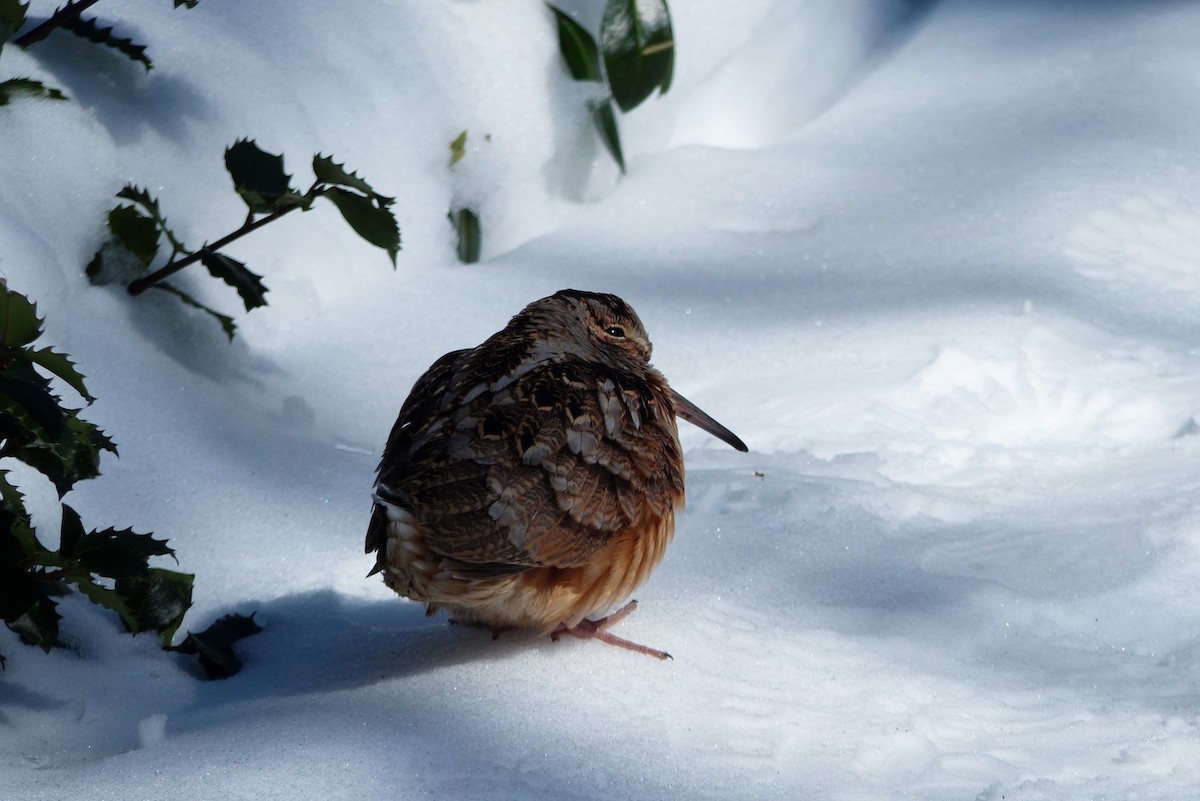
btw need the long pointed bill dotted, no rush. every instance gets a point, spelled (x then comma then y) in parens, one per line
(691, 412)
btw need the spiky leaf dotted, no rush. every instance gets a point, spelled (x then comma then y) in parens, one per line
(115, 554)
(578, 48)
(27, 87)
(60, 365)
(225, 321)
(143, 198)
(328, 171)
(606, 126)
(19, 323)
(71, 532)
(639, 49)
(91, 30)
(12, 17)
(373, 223)
(27, 396)
(249, 285)
(37, 623)
(258, 176)
(135, 232)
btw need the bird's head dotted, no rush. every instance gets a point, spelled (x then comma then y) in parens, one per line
(592, 326)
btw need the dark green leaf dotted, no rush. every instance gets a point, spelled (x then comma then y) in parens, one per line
(458, 148)
(639, 49)
(470, 238)
(116, 554)
(227, 324)
(258, 176)
(373, 223)
(233, 272)
(214, 645)
(329, 172)
(60, 365)
(156, 600)
(90, 29)
(12, 17)
(103, 596)
(27, 87)
(19, 545)
(19, 323)
(578, 48)
(71, 533)
(70, 456)
(135, 232)
(147, 201)
(26, 395)
(37, 624)
(606, 126)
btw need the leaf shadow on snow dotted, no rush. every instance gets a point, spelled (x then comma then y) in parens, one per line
(126, 99)
(191, 338)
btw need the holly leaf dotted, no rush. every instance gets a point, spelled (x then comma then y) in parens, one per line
(70, 533)
(639, 49)
(27, 87)
(329, 172)
(143, 198)
(19, 323)
(26, 395)
(578, 48)
(12, 17)
(60, 364)
(606, 126)
(225, 321)
(156, 601)
(249, 285)
(112, 553)
(135, 232)
(37, 623)
(373, 223)
(214, 645)
(259, 178)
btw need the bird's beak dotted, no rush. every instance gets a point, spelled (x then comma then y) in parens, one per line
(691, 412)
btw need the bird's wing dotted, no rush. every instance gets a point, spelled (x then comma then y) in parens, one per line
(546, 470)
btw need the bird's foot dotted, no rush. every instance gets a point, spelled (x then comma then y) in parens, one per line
(598, 630)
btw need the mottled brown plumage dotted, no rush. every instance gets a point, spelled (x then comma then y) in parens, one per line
(532, 481)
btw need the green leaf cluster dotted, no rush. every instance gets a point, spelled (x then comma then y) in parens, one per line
(137, 228)
(637, 48)
(110, 567)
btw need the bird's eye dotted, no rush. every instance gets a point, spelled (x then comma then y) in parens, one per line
(615, 331)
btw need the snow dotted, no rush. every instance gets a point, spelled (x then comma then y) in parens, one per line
(934, 262)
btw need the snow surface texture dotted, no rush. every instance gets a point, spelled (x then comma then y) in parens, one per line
(937, 263)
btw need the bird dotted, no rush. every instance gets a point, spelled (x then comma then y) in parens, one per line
(532, 482)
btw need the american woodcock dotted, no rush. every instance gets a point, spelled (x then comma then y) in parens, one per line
(532, 481)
